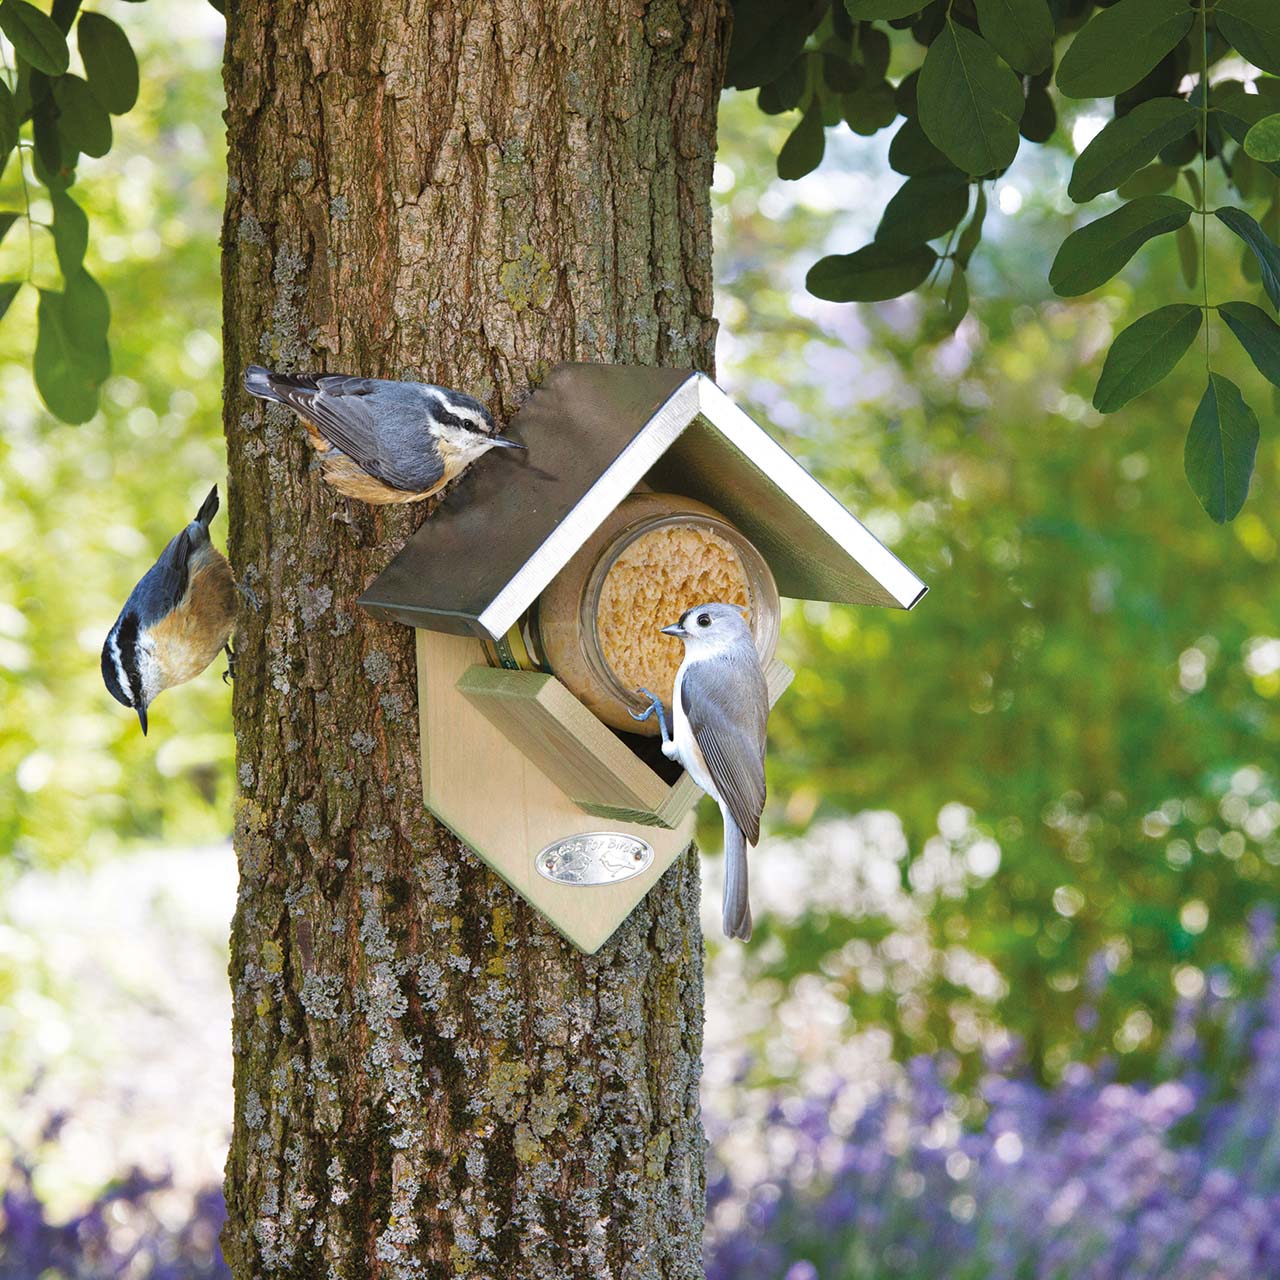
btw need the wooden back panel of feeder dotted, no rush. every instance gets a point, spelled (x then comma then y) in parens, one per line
(492, 796)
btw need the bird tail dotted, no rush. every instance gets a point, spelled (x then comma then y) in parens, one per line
(736, 916)
(208, 509)
(266, 385)
(257, 382)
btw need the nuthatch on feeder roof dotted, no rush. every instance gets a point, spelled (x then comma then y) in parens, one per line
(382, 441)
(720, 704)
(176, 621)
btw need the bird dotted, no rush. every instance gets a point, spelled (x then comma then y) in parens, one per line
(176, 620)
(383, 441)
(720, 710)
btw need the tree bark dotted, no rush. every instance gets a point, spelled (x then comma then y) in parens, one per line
(429, 1081)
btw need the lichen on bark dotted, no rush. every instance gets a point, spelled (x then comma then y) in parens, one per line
(430, 1082)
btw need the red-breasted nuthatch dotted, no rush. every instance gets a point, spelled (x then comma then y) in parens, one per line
(176, 621)
(720, 705)
(383, 441)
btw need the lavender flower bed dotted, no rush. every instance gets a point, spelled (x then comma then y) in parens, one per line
(1178, 1180)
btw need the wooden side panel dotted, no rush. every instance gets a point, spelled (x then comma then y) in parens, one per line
(557, 732)
(578, 753)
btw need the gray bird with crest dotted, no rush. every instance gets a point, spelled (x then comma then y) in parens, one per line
(720, 708)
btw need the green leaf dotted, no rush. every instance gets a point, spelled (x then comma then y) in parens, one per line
(70, 392)
(1150, 181)
(1253, 28)
(870, 108)
(8, 291)
(1039, 116)
(1144, 353)
(923, 208)
(48, 146)
(970, 103)
(802, 151)
(82, 120)
(957, 300)
(1118, 46)
(1262, 142)
(1258, 334)
(1264, 248)
(86, 317)
(860, 10)
(109, 62)
(1188, 255)
(8, 120)
(1091, 256)
(1020, 31)
(874, 52)
(767, 38)
(1126, 144)
(972, 234)
(872, 274)
(1220, 449)
(911, 153)
(34, 36)
(70, 233)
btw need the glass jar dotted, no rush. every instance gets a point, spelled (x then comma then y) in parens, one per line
(598, 623)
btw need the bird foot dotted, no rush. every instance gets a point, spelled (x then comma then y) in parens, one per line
(655, 704)
(230, 673)
(250, 596)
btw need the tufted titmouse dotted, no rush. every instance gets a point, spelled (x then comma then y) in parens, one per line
(382, 441)
(176, 620)
(720, 704)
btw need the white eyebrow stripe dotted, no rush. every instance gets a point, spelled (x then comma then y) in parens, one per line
(121, 674)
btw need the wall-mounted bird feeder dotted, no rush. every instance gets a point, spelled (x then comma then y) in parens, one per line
(537, 590)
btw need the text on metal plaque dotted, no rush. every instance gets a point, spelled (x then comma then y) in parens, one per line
(595, 857)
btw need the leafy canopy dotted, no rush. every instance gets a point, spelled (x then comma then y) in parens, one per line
(964, 83)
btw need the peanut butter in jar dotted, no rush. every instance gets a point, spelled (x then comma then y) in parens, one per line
(600, 620)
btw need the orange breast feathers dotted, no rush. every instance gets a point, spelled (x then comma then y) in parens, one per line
(351, 480)
(193, 635)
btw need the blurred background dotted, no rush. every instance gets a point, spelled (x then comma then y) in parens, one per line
(1012, 1006)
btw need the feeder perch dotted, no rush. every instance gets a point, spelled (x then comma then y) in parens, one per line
(580, 818)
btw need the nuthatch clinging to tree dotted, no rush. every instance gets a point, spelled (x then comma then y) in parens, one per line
(720, 704)
(176, 621)
(382, 441)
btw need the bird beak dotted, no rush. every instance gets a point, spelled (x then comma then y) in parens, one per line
(675, 629)
(142, 720)
(505, 442)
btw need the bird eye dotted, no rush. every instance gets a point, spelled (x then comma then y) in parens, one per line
(704, 619)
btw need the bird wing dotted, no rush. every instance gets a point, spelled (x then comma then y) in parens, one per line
(727, 703)
(165, 583)
(379, 425)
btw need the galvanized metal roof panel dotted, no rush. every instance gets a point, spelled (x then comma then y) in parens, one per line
(594, 432)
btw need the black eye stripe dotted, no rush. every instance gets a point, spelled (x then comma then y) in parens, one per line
(127, 643)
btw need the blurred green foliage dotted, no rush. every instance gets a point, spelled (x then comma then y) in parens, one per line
(86, 508)
(1092, 682)
(1094, 672)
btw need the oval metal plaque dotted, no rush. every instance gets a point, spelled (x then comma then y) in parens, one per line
(594, 857)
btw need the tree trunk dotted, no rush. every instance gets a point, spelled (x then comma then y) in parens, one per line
(429, 1081)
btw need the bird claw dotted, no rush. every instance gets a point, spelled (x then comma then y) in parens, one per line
(230, 673)
(655, 704)
(250, 596)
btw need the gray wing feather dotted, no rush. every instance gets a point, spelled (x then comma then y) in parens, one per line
(380, 425)
(162, 587)
(727, 703)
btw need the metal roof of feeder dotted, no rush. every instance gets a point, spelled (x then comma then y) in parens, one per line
(594, 432)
